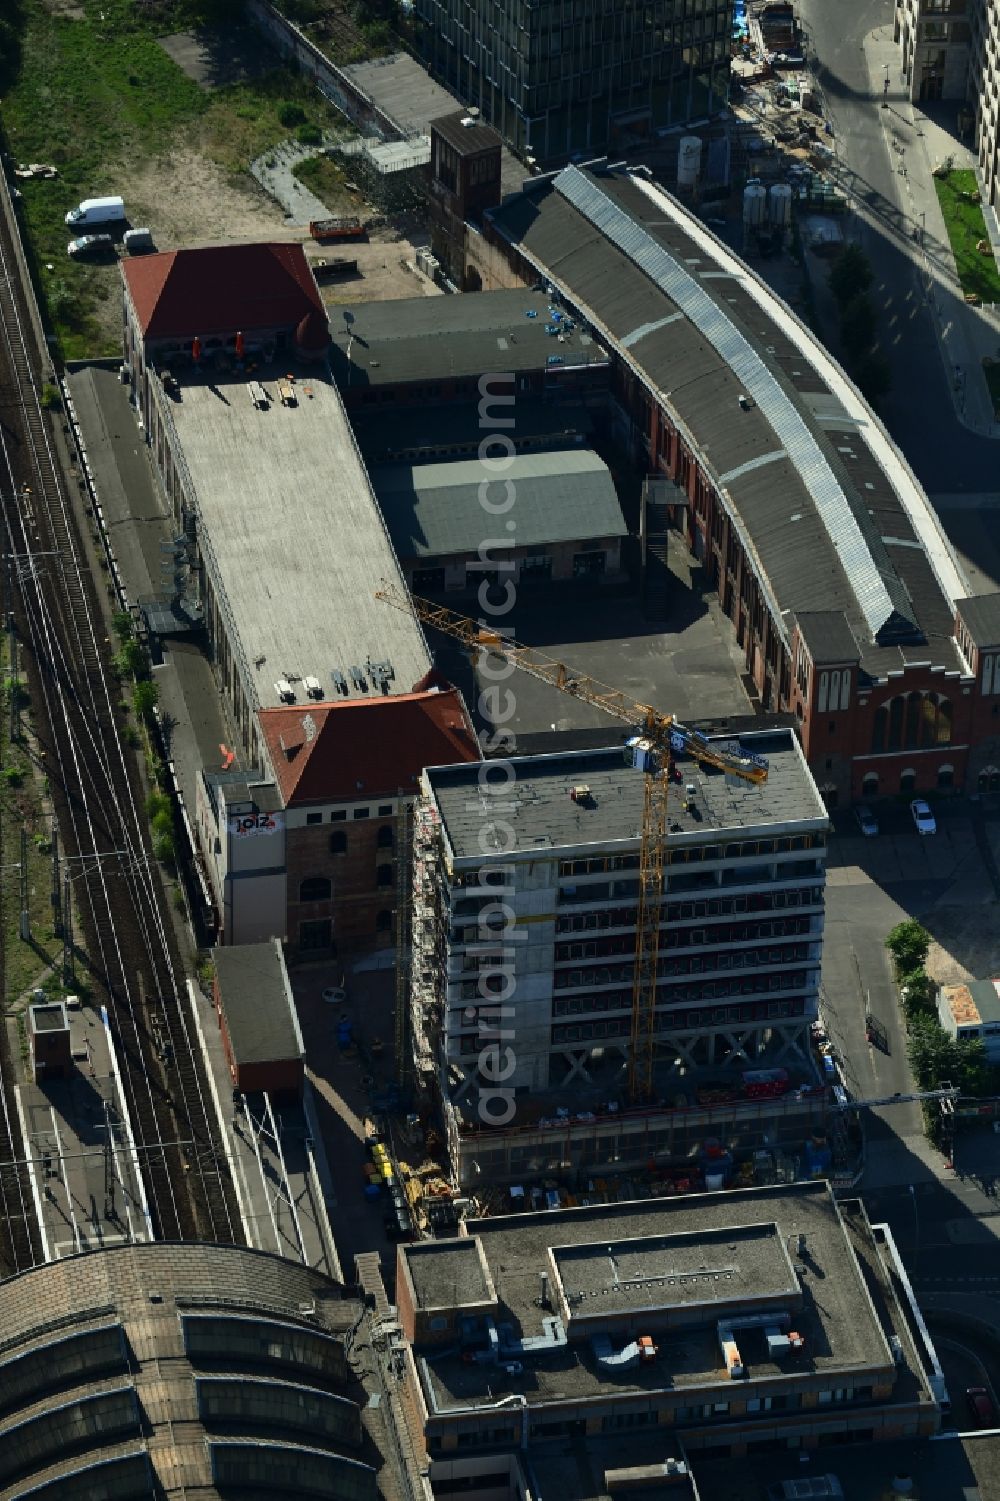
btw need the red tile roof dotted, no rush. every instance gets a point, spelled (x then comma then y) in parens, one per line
(365, 747)
(221, 288)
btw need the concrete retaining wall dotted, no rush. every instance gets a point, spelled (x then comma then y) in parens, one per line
(334, 84)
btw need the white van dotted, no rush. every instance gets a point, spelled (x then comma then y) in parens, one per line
(138, 241)
(97, 211)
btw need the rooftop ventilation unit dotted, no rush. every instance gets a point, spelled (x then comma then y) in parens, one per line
(285, 691)
(313, 687)
(339, 681)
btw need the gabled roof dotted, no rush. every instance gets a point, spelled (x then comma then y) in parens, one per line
(219, 289)
(436, 509)
(365, 747)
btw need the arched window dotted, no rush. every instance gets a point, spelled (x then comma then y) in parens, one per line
(385, 839)
(315, 889)
(914, 719)
(989, 779)
(383, 921)
(383, 875)
(338, 842)
(869, 787)
(946, 777)
(907, 780)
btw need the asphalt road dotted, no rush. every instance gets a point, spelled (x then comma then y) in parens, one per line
(945, 1220)
(918, 410)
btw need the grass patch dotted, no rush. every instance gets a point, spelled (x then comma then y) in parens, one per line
(324, 176)
(99, 96)
(243, 120)
(966, 228)
(21, 807)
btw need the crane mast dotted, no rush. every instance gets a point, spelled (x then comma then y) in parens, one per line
(658, 735)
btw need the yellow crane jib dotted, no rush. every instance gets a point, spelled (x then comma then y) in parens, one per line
(660, 737)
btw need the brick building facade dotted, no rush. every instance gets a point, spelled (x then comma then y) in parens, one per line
(844, 594)
(345, 773)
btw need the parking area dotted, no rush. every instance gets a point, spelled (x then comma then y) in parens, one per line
(944, 881)
(688, 666)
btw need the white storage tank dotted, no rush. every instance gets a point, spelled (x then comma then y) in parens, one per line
(754, 205)
(780, 204)
(688, 161)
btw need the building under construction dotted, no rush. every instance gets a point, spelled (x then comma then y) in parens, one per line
(391, 174)
(523, 1014)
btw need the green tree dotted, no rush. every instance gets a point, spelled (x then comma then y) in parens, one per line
(64, 304)
(291, 114)
(121, 624)
(850, 274)
(936, 1057)
(130, 661)
(919, 993)
(11, 32)
(309, 134)
(874, 376)
(857, 326)
(144, 698)
(163, 847)
(908, 944)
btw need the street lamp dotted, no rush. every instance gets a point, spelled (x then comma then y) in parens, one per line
(885, 87)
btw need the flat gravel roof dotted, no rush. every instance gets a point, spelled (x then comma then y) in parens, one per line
(297, 538)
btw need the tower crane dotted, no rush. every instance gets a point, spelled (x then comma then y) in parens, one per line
(658, 737)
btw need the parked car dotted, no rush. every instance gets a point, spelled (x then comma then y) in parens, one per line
(981, 1408)
(138, 241)
(90, 246)
(923, 818)
(867, 822)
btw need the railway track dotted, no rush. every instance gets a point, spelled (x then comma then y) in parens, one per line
(117, 895)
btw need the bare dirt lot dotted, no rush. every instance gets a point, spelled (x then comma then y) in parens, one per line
(384, 276)
(964, 946)
(188, 200)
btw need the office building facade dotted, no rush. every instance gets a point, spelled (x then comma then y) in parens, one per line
(555, 77)
(538, 928)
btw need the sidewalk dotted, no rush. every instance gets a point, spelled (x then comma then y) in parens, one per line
(917, 144)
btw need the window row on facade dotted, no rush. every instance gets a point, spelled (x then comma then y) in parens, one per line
(682, 938)
(316, 933)
(320, 888)
(679, 912)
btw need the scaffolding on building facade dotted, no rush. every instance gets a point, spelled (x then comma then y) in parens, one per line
(427, 942)
(392, 175)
